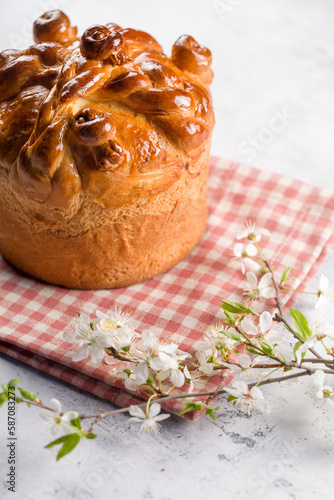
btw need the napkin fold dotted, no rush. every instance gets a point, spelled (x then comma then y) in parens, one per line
(181, 303)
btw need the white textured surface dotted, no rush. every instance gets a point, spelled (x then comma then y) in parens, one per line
(269, 56)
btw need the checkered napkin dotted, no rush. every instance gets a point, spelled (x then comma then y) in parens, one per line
(181, 303)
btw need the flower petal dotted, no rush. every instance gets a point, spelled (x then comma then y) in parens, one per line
(69, 336)
(251, 264)
(55, 405)
(234, 392)
(244, 361)
(265, 322)
(268, 293)
(162, 362)
(81, 353)
(47, 415)
(154, 410)
(177, 378)
(162, 416)
(70, 415)
(141, 373)
(251, 250)
(238, 249)
(265, 281)
(265, 232)
(105, 339)
(110, 360)
(256, 393)
(323, 283)
(168, 348)
(96, 353)
(136, 411)
(241, 386)
(248, 327)
(136, 419)
(252, 279)
(100, 315)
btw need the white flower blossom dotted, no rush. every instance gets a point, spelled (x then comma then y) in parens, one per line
(115, 319)
(175, 373)
(215, 340)
(265, 324)
(91, 341)
(259, 290)
(205, 367)
(154, 355)
(56, 421)
(321, 332)
(195, 379)
(244, 364)
(80, 326)
(252, 233)
(244, 254)
(323, 391)
(122, 337)
(149, 419)
(249, 398)
(129, 380)
(323, 291)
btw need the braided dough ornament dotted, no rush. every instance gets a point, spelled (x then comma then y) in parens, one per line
(104, 147)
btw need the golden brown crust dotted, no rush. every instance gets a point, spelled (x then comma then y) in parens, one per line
(104, 121)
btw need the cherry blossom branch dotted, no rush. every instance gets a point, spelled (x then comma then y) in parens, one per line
(281, 317)
(306, 371)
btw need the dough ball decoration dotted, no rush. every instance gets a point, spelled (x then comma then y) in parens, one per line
(107, 116)
(101, 44)
(54, 26)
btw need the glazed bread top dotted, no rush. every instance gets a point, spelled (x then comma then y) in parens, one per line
(108, 114)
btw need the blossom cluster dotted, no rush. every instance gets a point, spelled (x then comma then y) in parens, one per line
(140, 359)
(244, 343)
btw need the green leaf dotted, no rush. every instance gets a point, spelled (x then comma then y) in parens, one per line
(296, 347)
(267, 349)
(90, 435)
(253, 351)
(232, 335)
(230, 319)
(210, 411)
(285, 275)
(69, 442)
(13, 382)
(147, 391)
(197, 406)
(231, 398)
(57, 441)
(75, 422)
(68, 446)
(27, 394)
(235, 308)
(300, 324)
(150, 380)
(3, 398)
(4, 395)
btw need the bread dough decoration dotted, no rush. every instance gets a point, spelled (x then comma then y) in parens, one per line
(104, 144)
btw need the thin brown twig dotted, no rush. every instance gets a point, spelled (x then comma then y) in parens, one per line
(306, 371)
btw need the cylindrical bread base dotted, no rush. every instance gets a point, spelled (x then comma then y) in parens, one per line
(96, 248)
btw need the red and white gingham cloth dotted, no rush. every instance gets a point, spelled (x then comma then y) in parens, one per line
(181, 303)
